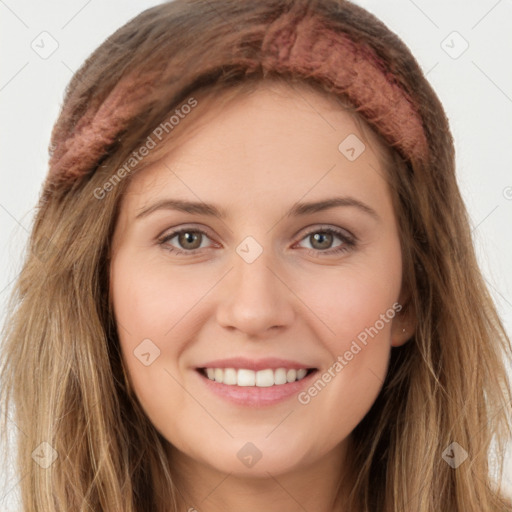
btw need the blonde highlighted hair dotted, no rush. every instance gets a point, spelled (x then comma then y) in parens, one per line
(61, 368)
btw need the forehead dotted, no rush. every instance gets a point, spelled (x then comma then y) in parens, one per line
(272, 138)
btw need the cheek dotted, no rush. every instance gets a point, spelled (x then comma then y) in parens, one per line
(151, 300)
(355, 300)
(157, 313)
(348, 304)
(357, 304)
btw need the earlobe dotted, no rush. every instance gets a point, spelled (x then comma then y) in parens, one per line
(404, 325)
(401, 339)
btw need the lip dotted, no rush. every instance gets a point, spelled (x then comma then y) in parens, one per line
(252, 364)
(253, 396)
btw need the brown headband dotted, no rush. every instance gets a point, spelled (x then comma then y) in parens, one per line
(312, 49)
(302, 45)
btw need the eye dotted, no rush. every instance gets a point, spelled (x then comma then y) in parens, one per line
(187, 239)
(322, 240)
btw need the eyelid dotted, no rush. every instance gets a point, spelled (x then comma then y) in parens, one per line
(313, 228)
(171, 233)
(306, 231)
(348, 239)
(184, 227)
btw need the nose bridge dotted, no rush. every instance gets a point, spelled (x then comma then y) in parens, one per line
(255, 299)
(252, 261)
(253, 281)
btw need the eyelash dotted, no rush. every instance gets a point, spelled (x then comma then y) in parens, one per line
(349, 242)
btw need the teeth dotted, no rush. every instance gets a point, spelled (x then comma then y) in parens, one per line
(246, 378)
(280, 376)
(230, 376)
(291, 375)
(260, 379)
(265, 378)
(301, 373)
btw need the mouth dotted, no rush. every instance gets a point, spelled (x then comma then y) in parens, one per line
(265, 378)
(244, 387)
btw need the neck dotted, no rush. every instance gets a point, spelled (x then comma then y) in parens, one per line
(321, 486)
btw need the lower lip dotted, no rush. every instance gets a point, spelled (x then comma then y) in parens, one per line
(254, 396)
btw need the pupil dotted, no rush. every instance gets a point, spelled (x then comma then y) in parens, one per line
(189, 238)
(324, 240)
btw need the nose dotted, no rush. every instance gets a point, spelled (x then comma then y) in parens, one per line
(255, 298)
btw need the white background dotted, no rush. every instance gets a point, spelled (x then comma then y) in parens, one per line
(475, 89)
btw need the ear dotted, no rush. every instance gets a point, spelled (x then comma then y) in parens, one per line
(405, 321)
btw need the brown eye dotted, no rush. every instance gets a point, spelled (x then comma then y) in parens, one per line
(321, 240)
(190, 239)
(185, 241)
(328, 241)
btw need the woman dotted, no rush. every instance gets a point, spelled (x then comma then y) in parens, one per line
(326, 342)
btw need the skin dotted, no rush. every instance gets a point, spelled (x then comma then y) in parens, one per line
(255, 158)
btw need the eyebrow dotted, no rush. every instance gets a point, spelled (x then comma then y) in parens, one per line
(298, 209)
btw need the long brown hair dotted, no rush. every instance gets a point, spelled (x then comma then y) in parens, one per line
(62, 368)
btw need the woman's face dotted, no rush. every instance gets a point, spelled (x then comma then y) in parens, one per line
(288, 262)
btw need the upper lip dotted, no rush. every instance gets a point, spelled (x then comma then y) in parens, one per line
(255, 364)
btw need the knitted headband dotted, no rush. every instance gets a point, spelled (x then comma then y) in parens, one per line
(301, 44)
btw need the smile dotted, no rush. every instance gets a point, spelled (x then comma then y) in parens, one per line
(263, 378)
